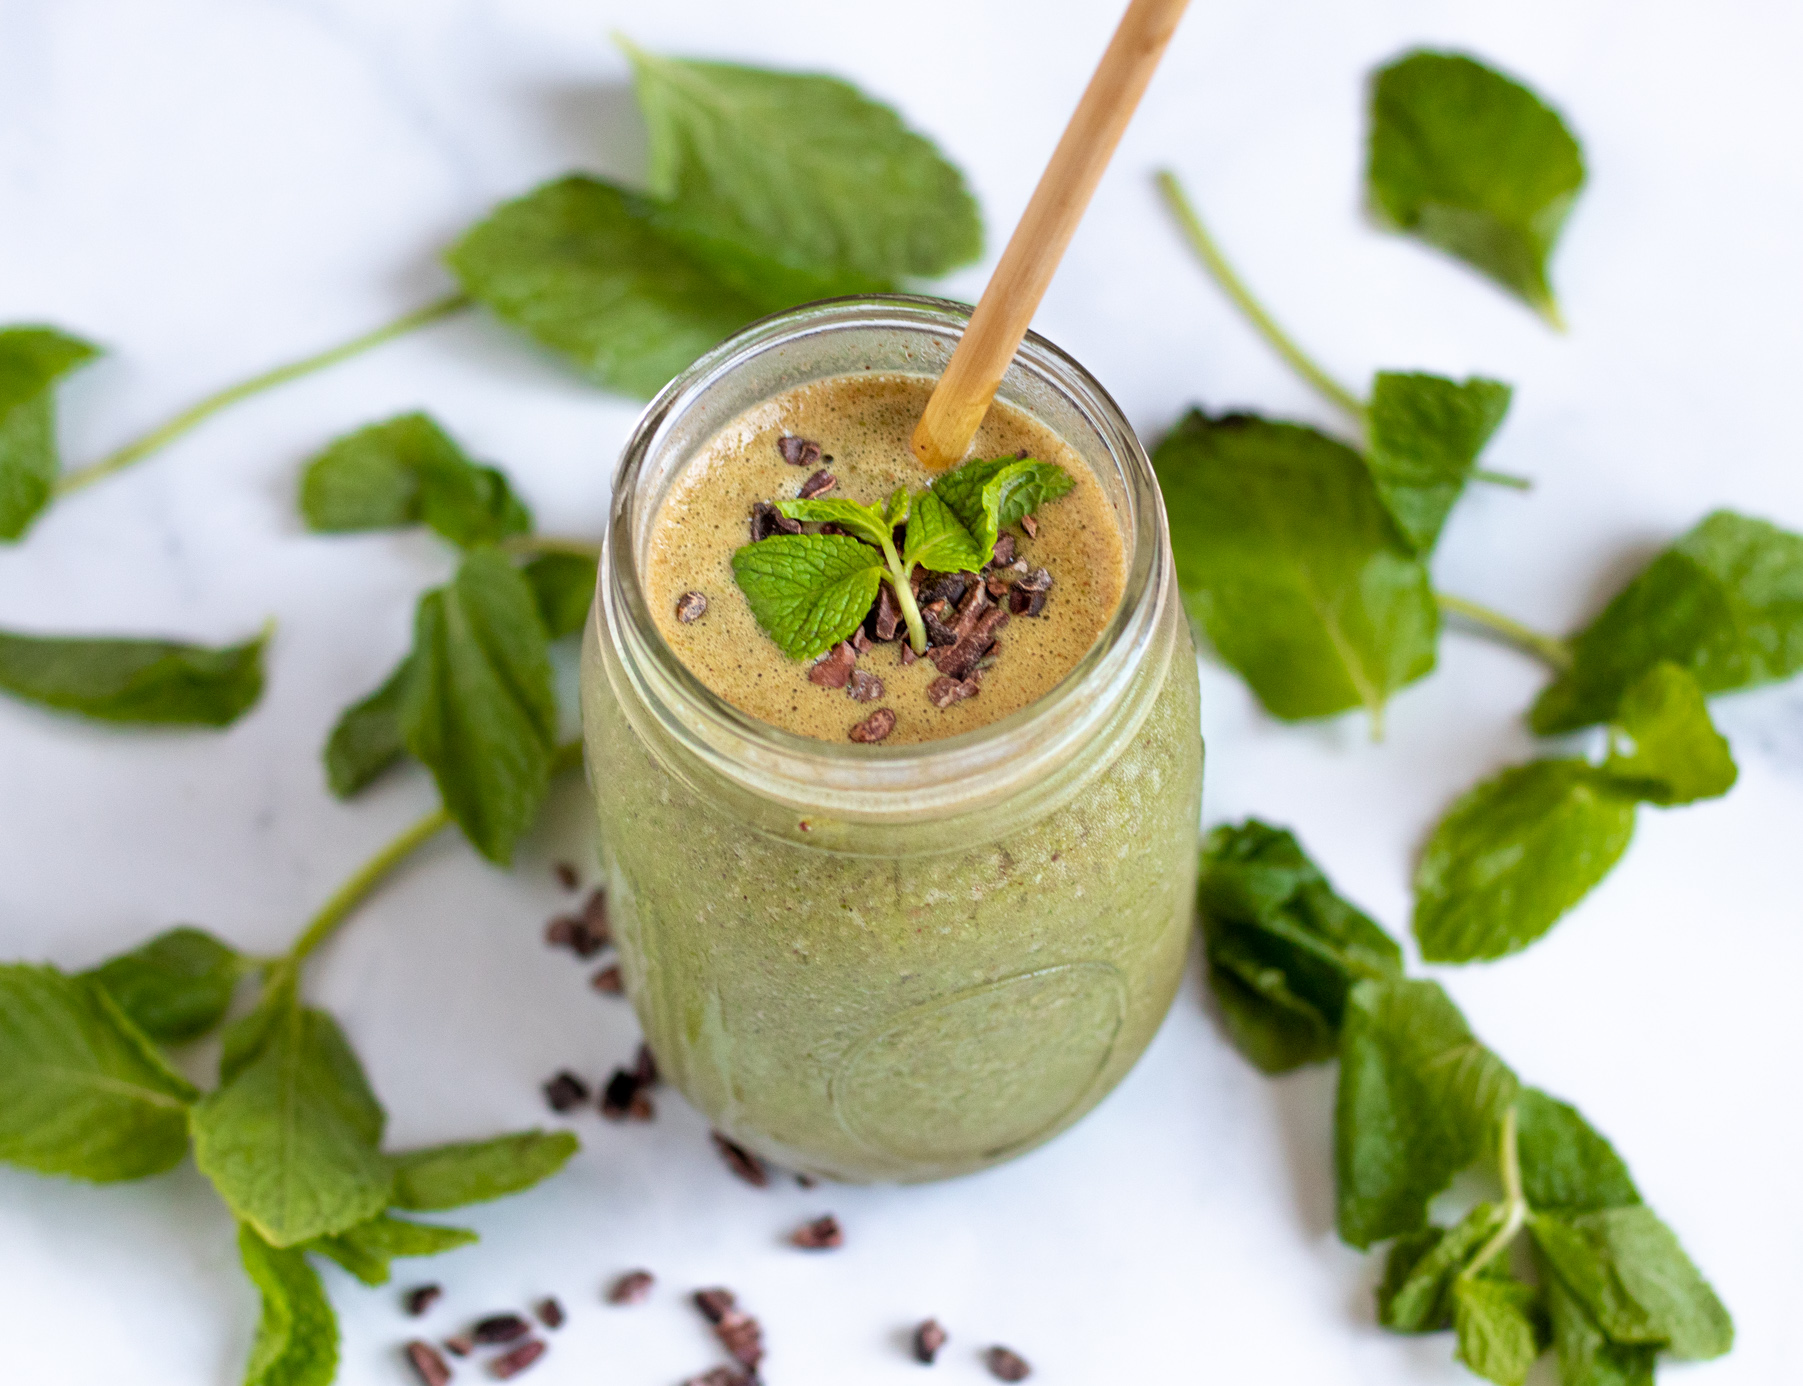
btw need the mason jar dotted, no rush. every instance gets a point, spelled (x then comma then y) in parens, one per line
(874, 962)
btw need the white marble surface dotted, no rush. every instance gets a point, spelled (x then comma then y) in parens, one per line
(209, 186)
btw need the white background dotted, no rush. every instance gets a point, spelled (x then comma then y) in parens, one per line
(212, 186)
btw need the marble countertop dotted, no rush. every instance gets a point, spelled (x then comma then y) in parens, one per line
(212, 186)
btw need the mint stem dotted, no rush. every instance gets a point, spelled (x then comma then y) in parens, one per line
(197, 414)
(1556, 653)
(1515, 1206)
(1235, 288)
(1509, 479)
(904, 595)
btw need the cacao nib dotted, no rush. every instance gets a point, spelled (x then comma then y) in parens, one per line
(500, 1328)
(833, 668)
(1004, 551)
(864, 686)
(874, 727)
(943, 691)
(798, 452)
(421, 1298)
(1006, 1365)
(767, 520)
(691, 607)
(886, 616)
(549, 1312)
(631, 1288)
(715, 1303)
(607, 980)
(928, 1339)
(430, 1367)
(822, 1234)
(516, 1360)
(818, 484)
(741, 1162)
(1031, 525)
(566, 1092)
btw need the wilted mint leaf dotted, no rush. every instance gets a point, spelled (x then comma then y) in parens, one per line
(367, 1249)
(297, 1334)
(1476, 164)
(563, 584)
(1674, 753)
(367, 737)
(32, 360)
(1566, 1164)
(1416, 1294)
(451, 1176)
(140, 682)
(1424, 435)
(808, 591)
(176, 986)
(1499, 1322)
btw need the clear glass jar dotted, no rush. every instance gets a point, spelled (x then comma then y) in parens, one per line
(907, 962)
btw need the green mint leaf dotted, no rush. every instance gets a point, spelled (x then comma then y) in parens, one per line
(796, 183)
(1416, 1293)
(367, 737)
(479, 710)
(563, 584)
(1283, 949)
(1586, 1355)
(1022, 486)
(867, 522)
(1674, 754)
(1424, 435)
(1418, 1101)
(82, 1092)
(368, 1249)
(297, 1332)
(808, 591)
(1514, 854)
(175, 987)
(290, 1136)
(138, 682)
(1476, 164)
(579, 266)
(1566, 1164)
(1634, 1280)
(1725, 602)
(451, 1176)
(1292, 565)
(896, 511)
(32, 360)
(937, 539)
(1499, 1322)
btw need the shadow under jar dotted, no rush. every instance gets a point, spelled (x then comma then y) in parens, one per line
(895, 962)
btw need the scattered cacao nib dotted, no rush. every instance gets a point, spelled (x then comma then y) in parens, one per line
(818, 484)
(742, 1163)
(1024, 601)
(834, 667)
(1006, 1365)
(1031, 525)
(798, 452)
(1035, 580)
(584, 934)
(766, 520)
(566, 875)
(566, 1092)
(691, 606)
(561, 931)
(715, 1304)
(806, 1181)
(975, 635)
(594, 918)
(516, 1360)
(945, 690)
(607, 980)
(549, 1312)
(631, 1288)
(874, 727)
(644, 1066)
(825, 527)
(860, 642)
(742, 1336)
(928, 1339)
(1004, 551)
(421, 1298)
(907, 654)
(428, 1363)
(618, 1098)
(722, 1376)
(944, 587)
(994, 586)
(460, 1345)
(500, 1328)
(886, 616)
(822, 1234)
(864, 686)
(938, 632)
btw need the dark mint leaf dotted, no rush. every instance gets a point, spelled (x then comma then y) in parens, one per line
(1674, 754)
(1416, 1295)
(175, 987)
(290, 1136)
(579, 266)
(1424, 435)
(451, 1176)
(1419, 1100)
(762, 169)
(1293, 567)
(1586, 1356)
(1283, 948)
(1566, 1165)
(867, 522)
(1475, 164)
(1026, 485)
(936, 538)
(367, 1249)
(1499, 1326)
(297, 1334)
(1725, 602)
(1514, 854)
(563, 584)
(32, 360)
(140, 682)
(479, 710)
(82, 1092)
(367, 737)
(808, 591)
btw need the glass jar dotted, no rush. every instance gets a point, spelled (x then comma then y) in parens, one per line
(895, 962)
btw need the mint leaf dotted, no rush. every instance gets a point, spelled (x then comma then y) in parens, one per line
(1424, 435)
(82, 1092)
(1283, 949)
(1674, 754)
(451, 1176)
(1025, 484)
(1292, 565)
(297, 1333)
(367, 1249)
(867, 522)
(579, 266)
(1416, 1294)
(1475, 164)
(563, 585)
(32, 360)
(479, 710)
(1566, 1165)
(937, 539)
(367, 737)
(1418, 1099)
(797, 184)
(139, 682)
(406, 471)
(808, 591)
(290, 1136)
(175, 987)
(1725, 602)
(1499, 1326)
(1514, 854)
(1586, 1356)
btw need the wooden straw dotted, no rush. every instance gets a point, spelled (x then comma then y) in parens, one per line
(964, 392)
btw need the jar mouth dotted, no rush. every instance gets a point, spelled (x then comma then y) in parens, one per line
(899, 334)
